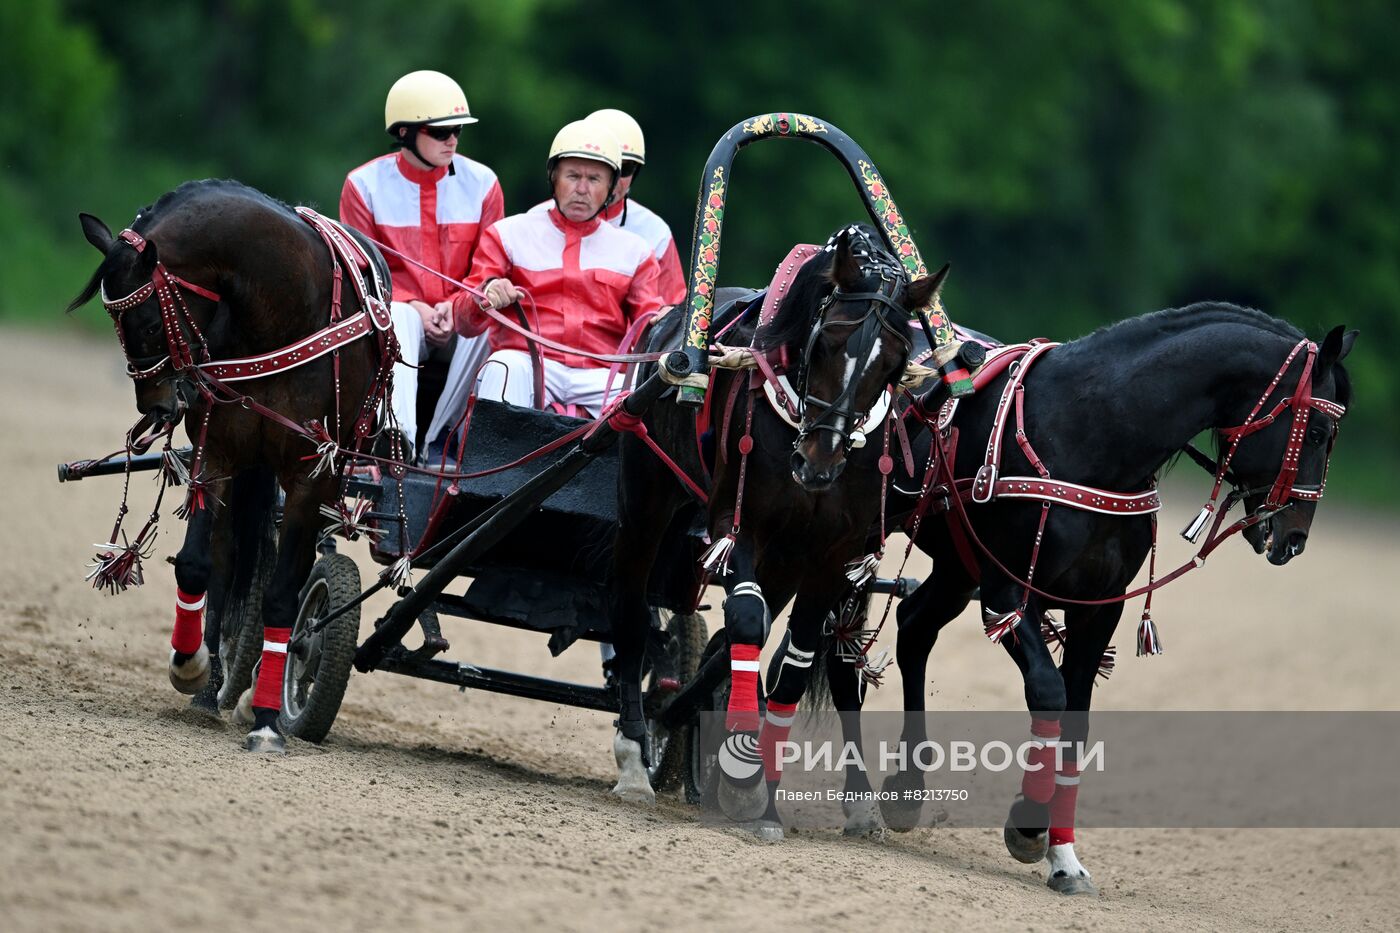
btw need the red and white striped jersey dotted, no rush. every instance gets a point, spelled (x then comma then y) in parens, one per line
(435, 217)
(590, 280)
(648, 225)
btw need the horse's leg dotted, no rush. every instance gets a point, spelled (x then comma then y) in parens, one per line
(743, 795)
(789, 673)
(296, 551)
(1088, 630)
(938, 601)
(189, 657)
(645, 508)
(220, 579)
(1028, 824)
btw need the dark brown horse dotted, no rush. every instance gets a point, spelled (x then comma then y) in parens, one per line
(811, 486)
(215, 271)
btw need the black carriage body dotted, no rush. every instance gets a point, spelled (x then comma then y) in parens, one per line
(550, 573)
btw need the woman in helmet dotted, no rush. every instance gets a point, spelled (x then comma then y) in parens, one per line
(589, 279)
(430, 203)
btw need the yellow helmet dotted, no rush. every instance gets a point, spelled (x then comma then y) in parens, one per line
(628, 132)
(429, 97)
(586, 139)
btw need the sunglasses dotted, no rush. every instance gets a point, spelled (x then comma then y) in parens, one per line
(443, 133)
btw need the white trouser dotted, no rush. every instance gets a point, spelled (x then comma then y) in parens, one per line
(507, 376)
(467, 355)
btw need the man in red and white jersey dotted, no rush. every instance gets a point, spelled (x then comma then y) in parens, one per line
(623, 212)
(589, 279)
(430, 203)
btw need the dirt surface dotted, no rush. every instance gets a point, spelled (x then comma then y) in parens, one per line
(427, 808)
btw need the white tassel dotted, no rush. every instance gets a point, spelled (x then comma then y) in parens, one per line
(349, 521)
(400, 574)
(327, 451)
(998, 625)
(874, 668)
(174, 468)
(1198, 524)
(715, 560)
(862, 569)
(1148, 640)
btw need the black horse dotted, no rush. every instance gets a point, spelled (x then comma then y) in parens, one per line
(1110, 411)
(216, 271)
(810, 494)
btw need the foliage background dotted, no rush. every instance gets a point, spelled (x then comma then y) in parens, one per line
(1079, 161)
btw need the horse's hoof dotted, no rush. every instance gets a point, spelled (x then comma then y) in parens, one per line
(1067, 875)
(741, 803)
(1027, 847)
(632, 784)
(864, 820)
(265, 741)
(768, 831)
(242, 714)
(1072, 884)
(191, 676)
(206, 703)
(1023, 848)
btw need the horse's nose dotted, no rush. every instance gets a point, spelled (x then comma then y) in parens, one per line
(815, 479)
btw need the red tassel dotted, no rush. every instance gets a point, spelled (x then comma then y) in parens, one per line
(1148, 641)
(997, 625)
(115, 571)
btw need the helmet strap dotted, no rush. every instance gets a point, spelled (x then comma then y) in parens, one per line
(409, 141)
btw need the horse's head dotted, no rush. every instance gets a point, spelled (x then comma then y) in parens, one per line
(160, 318)
(1282, 467)
(852, 305)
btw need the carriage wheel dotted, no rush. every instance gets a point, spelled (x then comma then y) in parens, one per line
(241, 634)
(318, 667)
(701, 770)
(686, 645)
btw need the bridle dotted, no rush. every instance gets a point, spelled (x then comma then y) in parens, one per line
(1284, 489)
(185, 343)
(837, 415)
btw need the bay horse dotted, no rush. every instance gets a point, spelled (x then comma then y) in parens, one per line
(793, 499)
(1107, 412)
(237, 314)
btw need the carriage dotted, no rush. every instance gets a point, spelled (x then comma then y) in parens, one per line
(528, 530)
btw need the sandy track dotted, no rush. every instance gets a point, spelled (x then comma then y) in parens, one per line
(426, 807)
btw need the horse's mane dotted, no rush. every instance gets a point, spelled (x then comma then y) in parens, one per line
(1134, 331)
(1200, 314)
(165, 204)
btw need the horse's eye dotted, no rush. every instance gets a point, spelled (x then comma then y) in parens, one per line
(1316, 435)
(152, 330)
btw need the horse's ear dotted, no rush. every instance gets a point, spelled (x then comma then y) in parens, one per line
(1336, 345)
(845, 268)
(922, 291)
(97, 233)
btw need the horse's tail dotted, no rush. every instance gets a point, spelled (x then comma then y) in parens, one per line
(253, 524)
(817, 698)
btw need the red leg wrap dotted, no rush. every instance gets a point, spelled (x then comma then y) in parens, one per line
(189, 622)
(268, 693)
(776, 726)
(1062, 805)
(743, 688)
(1039, 785)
